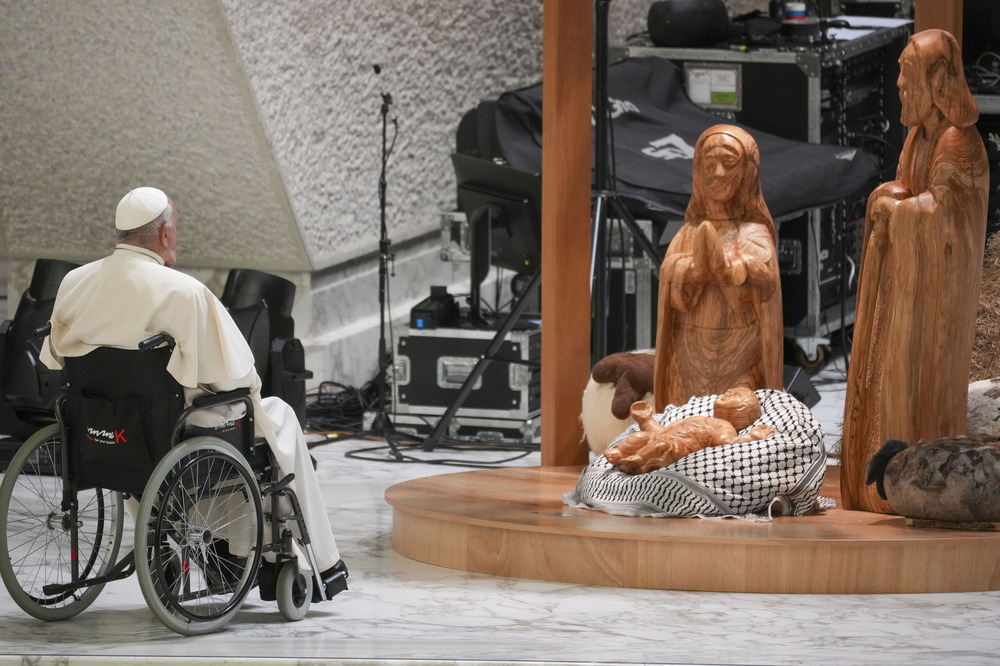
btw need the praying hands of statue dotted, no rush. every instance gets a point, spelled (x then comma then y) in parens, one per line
(654, 446)
(714, 259)
(711, 261)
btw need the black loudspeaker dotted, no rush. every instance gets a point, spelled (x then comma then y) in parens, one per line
(477, 132)
(28, 389)
(797, 383)
(261, 306)
(688, 23)
(247, 288)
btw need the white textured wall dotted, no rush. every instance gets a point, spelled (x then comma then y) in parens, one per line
(99, 96)
(745, 6)
(310, 65)
(102, 95)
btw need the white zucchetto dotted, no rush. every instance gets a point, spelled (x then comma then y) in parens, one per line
(140, 206)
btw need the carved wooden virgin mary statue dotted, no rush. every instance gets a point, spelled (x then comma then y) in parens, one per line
(720, 324)
(921, 265)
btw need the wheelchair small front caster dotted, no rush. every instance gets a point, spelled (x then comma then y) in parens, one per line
(294, 591)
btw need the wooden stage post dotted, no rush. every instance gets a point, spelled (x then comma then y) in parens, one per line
(566, 156)
(943, 14)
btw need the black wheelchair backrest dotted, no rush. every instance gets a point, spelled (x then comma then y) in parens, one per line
(118, 414)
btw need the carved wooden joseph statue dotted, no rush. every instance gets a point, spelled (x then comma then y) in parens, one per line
(921, 267)
(720, 322)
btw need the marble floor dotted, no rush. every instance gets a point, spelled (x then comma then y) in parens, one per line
(401, 611)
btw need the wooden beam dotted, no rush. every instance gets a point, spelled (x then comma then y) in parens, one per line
(566, 156)
(943, 14)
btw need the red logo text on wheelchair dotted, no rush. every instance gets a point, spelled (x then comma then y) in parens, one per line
(102, 436)
(228, 426)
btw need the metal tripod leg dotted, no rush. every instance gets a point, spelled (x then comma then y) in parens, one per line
(477, 371)
(606, 206)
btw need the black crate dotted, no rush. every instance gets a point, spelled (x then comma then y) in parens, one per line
(432, 364)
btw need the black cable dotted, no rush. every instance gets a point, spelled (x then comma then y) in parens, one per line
(362, 454)
(882, 140)
(451, 444)
(497, 288)
(340, 414)
(638, 37)
(341, 411)
(840, 213)
(625, 253)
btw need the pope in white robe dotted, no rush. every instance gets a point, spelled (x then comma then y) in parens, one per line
(133, 294)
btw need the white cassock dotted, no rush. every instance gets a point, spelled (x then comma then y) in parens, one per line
(129, 296)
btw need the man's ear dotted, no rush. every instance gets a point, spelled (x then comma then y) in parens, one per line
(162, 235)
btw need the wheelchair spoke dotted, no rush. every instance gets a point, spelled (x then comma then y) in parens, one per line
(206, 503)
(37, 534)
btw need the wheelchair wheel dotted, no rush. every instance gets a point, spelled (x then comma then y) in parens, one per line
(294, 591)
(35, 532)
(198, 536)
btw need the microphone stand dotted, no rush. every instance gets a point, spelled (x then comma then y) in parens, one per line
(382, 423)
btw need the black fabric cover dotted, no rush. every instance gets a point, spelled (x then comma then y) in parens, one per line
(121, 406)
(649, 104)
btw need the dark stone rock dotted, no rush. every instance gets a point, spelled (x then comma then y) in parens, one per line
(954, 479)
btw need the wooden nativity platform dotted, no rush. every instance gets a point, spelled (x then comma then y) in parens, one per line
(512, 522)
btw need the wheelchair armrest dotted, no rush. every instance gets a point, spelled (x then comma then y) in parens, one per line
(157, 340)
(213, 399)
(210, 400)
(302, 375)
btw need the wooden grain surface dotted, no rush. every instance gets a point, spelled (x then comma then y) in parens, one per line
(512, 522)
(943, 14)
(719, 321)
(565, 290)
(920, 272)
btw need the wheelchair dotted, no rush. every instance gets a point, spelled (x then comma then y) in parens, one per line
(203, 500)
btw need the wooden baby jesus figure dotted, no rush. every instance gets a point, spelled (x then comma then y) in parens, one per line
(720, 320)
(654, 446)
(921, 266)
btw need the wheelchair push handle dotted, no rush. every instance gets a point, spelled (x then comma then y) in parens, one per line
(155, 341)
(151, 342)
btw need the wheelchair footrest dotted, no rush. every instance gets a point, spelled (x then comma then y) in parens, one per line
(277, 486)
(124, 568)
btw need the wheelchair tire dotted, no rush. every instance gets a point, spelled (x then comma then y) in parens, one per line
(35, 533)
(201, 495)
(294, 591)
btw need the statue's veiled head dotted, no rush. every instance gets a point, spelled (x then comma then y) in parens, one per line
(932, 81)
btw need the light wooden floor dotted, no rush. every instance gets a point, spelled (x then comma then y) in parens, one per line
(512, 522)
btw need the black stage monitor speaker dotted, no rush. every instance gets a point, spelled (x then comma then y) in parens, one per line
(504, 210)
(28, 389)
(511, 200)
(797, 383)
(688, 23)
(261, 305)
